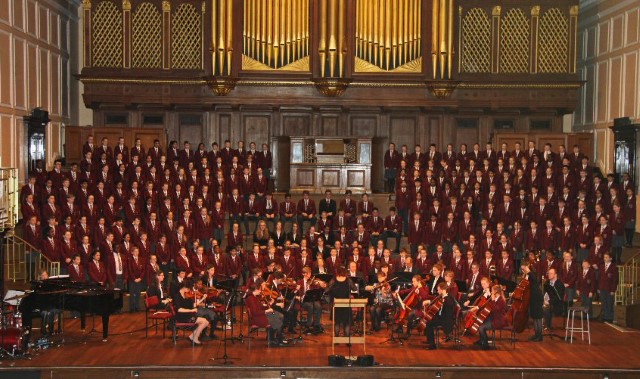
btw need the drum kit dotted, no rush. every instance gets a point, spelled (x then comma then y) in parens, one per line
(11, 330)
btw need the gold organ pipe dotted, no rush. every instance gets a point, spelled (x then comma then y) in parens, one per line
(269, 38)
(380, 32)
(434, 37)
(412, 12)
(258, 28)
(418, 30)
(245, 29)
(289, 33)
(229, 34)
(283, 31)
(442, 34)
(252, 26)
(405, 29)
(387, 32)
(299, 36)
(322, 44)
(366, 37)
(214, 36)
(342, 14)
(263, 39)
(276, 34)
(358, 23)
(294, 30)
(333, 30)
(394, 34)
(306, 28)
(221, 28)
(450, 41)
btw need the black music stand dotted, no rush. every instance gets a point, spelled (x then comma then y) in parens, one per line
(226, 360)
(308, 297)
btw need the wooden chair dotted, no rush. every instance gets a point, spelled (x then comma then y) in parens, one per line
(176, 325)
(253, 328)
(507, 328)
(155, 315)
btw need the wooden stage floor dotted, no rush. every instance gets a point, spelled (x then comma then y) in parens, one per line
(128, 352)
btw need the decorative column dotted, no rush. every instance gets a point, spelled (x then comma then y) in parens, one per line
(573, 38)
(86, 18)
(495, 39)
(126, 34)
(166, 35)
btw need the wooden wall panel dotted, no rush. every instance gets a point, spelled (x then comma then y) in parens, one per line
(6, 69)
(256, 128)
(295, 125)
(224, 125)
(402, 131)
(363, 126)
(329, 126)
(76, 136)
(193, 134)
(19, 74)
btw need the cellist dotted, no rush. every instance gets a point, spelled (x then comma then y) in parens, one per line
(444, 317)
(496, 319)
(479, 298)
(422, 294)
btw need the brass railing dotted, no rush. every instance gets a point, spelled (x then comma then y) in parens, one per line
(627, 293)
(9, 194)
(23, 261)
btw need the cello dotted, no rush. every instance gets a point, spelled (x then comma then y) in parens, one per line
(520, 306)
(470, 318)
(406, 304)
(480, 317)
(430, 313)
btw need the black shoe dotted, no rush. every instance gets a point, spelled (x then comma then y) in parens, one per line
(213, 336)
(487, 347)
(478, 343)
(447, 339)
(205, 338)
(431, 346)
(533, 338)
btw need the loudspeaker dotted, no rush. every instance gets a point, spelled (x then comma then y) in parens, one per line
(337, 361)
(365, 360)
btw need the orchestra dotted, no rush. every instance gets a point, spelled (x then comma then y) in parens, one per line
(481, 232)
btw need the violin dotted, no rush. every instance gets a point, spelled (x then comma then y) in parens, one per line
(287, 284)
(270, 294)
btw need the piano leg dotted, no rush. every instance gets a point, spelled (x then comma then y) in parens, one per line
(83, 321)
(105, 326)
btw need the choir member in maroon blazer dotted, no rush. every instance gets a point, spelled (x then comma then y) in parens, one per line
(51, 245)
(607, 286)
(505, 267)
(183, 262)
(586, 285)
(76, 270)
(488, 264)
(31, 232)
(30, 208)
(97, 270)
(457, 265)
(68, 249)
(199, 262)
(422, 262)
(568, 274)
(306, 210)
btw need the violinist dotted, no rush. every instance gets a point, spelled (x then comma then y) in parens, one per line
(497, 318)
(422, 294)
(536, 300)
(285, 296)
(200, 302)
(156, 289)
(256, 273)
(444, 317)
(187, 312)
(263, 315)
(313, 308)
(382, 301)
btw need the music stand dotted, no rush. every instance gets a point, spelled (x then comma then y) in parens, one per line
(310, 296)
(226, 360)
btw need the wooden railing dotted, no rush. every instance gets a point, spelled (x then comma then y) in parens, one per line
(627, 293)
(23, 261)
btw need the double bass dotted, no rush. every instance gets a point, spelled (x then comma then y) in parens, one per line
(520, 306)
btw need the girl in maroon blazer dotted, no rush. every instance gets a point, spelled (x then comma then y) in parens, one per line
(497, 318)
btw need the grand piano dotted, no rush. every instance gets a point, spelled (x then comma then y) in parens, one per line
(62, 293)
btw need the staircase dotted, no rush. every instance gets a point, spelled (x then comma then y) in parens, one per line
(627, 293)
(23, 261)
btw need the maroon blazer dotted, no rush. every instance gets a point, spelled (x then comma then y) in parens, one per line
(608, 280)
(256, 311)
(586, 283)
(97, 274)
(76, 276)
(505, 271)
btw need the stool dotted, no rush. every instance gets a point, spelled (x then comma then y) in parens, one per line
(571, 315)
